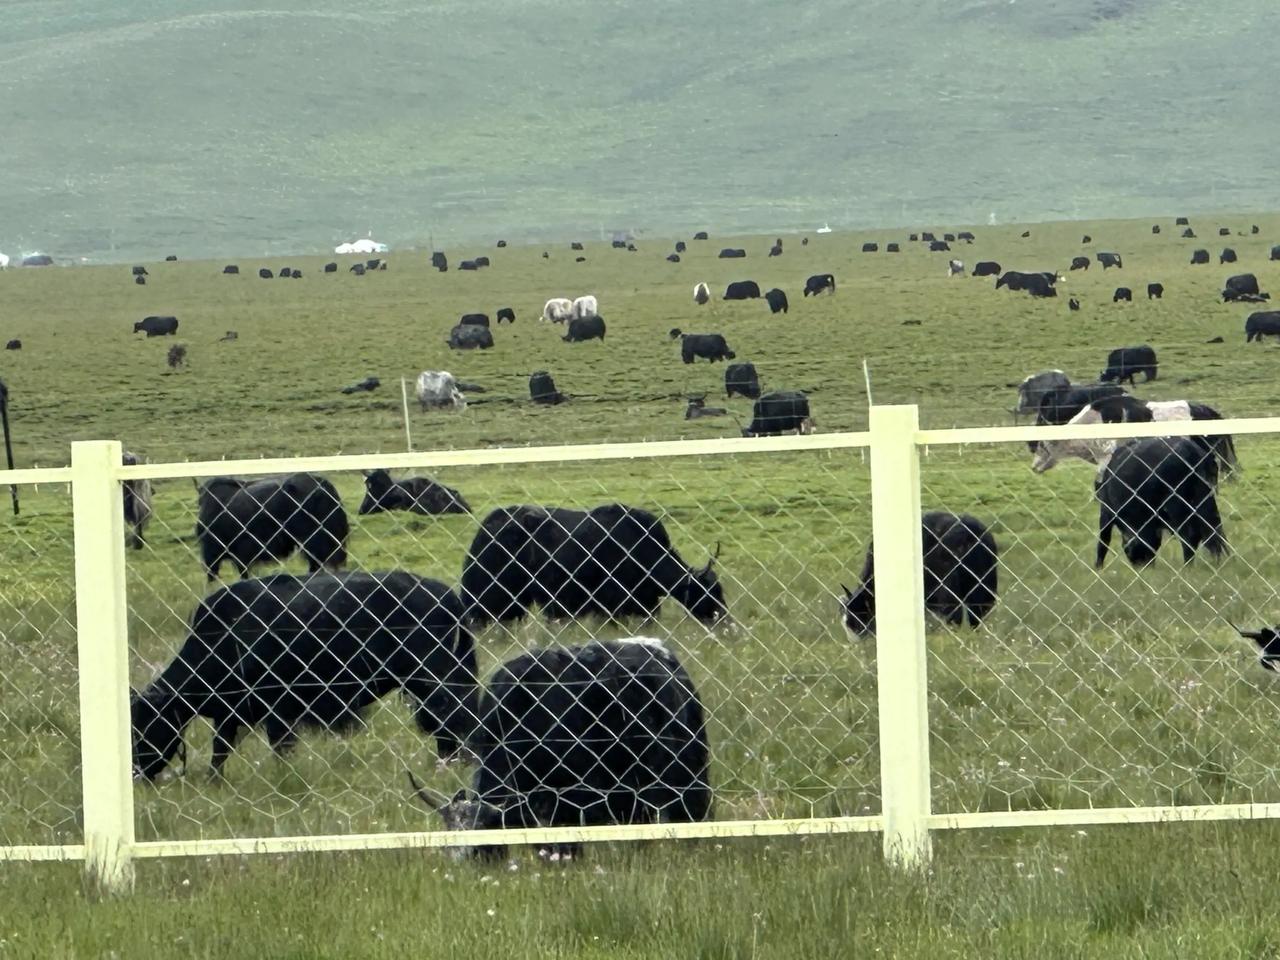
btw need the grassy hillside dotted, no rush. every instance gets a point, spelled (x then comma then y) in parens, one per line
(1083, 688)
(225, 127)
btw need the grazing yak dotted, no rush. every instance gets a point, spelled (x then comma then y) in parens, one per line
(892, 248)
(1155, 291)
(1073, 304)
(585, 306)
(730, 253)
(701, 235)
(986, 268)
(777, 300)
(741, 378)
(475, 319)
(1243, 288)
(557, 309)
(938, 246)
(1122, 294)
(157, 326)
(137, 505)
(776, 249)
(266, 274)
(256, 521)
(414, 494)
(291, 653)
(1226, 256)
(818, 283)
(681, 246)
(1124, 363)
(742, 290)
(1033, 388)
(955, 268)
(1262, 324)
(1079, 263)
(1181, 222)
(140, 281)
(464, 265)
(470, 336)
(1110, 260)
(673, 258)
(1127, 409)
(359, 271)
(438, 388)
(542, 389)
(13, 345)
(440, 261)
(505, 313)
(782, 411)
(231, 268)
(1275, 252)
(710, 346)
(330, 268)
(582, 329)
(870, 247)
(1199, 256)
(1188, 234)
(140, 271)
(611, 732)
(1040, 284)
(1156, 484)
(701, 294)
(961, 576)
(611, 561)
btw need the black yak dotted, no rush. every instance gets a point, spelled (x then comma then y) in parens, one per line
(610, 561)
(960, 573)
(1156, 484)
(415, 494)
(292, 653)
(609, 732)
(255, 521)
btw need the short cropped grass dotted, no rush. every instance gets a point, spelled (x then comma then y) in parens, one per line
(1082, 689)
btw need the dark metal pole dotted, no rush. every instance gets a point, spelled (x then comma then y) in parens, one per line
(8, 445)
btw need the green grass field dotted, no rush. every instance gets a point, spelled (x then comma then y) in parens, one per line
(1082, 689)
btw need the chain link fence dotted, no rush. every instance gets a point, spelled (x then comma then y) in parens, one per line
(475, 640)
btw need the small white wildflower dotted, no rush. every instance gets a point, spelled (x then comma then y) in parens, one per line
(1059, 871)
(599, 871)
(491, 912)
(186, 882)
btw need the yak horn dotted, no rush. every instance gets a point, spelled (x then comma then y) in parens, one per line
(847, 592)
(433, 799)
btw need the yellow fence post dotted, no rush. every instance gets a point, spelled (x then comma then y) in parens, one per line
(103, 650)
(901, 675)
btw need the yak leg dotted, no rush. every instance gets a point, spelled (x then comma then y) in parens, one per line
(225, 735)
(282, 736)
(1106, 521)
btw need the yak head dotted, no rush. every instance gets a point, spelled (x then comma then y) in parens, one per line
(859, 610)
(1268, 641)
(378, 487)
(158, 721)
(702, 593)
(463, 811)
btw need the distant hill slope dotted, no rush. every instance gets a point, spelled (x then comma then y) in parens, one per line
(224, 126)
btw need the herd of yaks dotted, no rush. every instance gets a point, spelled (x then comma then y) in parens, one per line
(609, 731)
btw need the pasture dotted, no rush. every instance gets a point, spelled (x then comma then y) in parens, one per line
(1081, 689)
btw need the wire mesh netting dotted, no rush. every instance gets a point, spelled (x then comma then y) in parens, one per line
(1117, 685)
(730, 565)
(39, 709)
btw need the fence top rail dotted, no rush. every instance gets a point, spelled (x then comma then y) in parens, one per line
(1099, 431)
(37, 475)
(500, 455)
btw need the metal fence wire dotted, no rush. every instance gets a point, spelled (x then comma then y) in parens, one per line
(729, 564)
(39, 717)
(901, 631)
